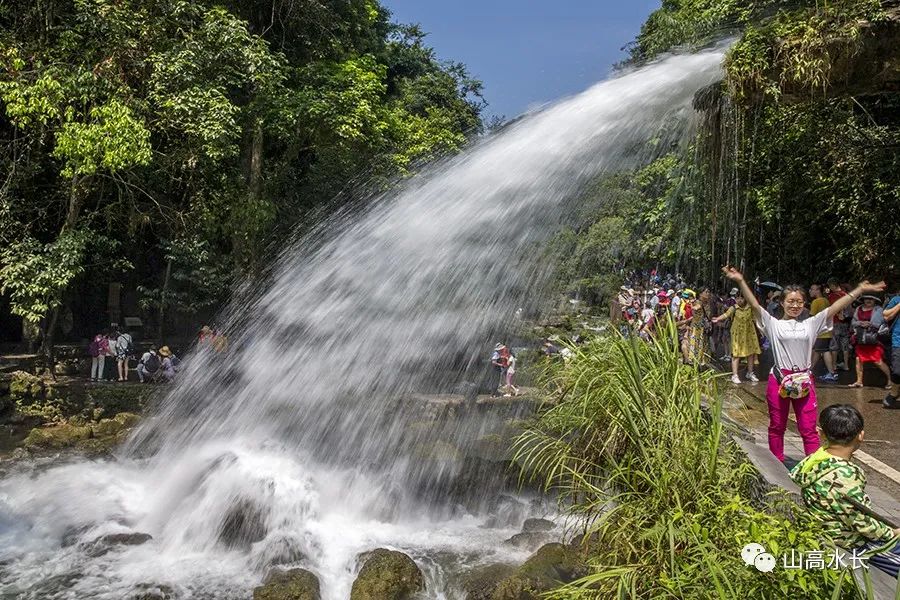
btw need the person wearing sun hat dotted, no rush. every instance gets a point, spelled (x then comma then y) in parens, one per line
(498, 365)
(867, 318)
(169, 363)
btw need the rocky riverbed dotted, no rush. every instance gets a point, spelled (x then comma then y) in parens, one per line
(78, 516)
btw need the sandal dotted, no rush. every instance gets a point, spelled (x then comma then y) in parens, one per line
(855, 385)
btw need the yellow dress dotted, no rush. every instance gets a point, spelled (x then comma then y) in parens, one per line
(744, 341)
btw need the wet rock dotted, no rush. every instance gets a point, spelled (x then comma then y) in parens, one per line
(387, 575)
(71, 535)
(108, 543)
(243, 525)
(527, 539)
(536, 525)
(546, 569)
(278, 552)
(295, 584)
(480, 583)
(505, 511)
(152, 591)
(56, 437)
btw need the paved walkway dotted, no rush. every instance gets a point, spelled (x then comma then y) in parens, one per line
(880, 454)
(746, 405)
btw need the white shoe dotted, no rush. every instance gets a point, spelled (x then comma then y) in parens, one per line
(507, 395)
(736, 380)
(752, 377)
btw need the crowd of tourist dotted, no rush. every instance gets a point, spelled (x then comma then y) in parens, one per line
(731, 326)
(834, 325)
(113, 351)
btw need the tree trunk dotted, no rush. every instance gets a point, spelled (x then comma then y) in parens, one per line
(48, 348)
(254, 188)
(162, 300)
(47, 343)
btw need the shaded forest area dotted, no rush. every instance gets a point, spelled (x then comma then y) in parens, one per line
(794, 172)
(155, 152)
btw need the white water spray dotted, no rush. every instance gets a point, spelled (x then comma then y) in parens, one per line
(299, 445)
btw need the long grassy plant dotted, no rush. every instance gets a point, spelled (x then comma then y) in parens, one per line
(632, 443)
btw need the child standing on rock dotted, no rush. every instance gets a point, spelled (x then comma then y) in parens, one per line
(510, 373)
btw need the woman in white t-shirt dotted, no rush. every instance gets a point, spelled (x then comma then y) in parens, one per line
(790, 382)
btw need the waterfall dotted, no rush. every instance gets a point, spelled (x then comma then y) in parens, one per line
(298, 444)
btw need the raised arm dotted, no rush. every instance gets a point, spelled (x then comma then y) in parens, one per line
(890, 313)
(863, 288)
(736, 276)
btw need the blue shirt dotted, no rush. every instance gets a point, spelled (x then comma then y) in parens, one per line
(895, 332)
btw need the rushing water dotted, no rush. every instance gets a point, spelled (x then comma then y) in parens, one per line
(300, 445)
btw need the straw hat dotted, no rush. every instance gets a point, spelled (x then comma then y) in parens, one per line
(871, 297)
(164, 351)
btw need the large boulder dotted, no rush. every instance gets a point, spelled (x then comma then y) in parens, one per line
(387, 575)
(107, 543)
(536, 525)
(528, 540)
(552, 565)
(480, 583)
(295, 584)
(244, 524)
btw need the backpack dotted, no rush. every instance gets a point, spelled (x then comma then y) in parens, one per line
(129, 344)
(152, 363)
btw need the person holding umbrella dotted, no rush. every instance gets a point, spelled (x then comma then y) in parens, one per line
(790, 381)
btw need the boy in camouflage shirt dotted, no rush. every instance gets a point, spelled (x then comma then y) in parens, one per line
(830, 484)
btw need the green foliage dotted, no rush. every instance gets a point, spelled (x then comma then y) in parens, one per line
(198, 278)
(223, 124)
(634, 446)
(796, 49)
(113, 139)
(788, 174)
(35, 275)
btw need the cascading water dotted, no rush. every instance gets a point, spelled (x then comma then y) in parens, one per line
(299, 444)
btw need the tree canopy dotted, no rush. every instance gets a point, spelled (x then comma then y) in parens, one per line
(793, 173)
(168, 143)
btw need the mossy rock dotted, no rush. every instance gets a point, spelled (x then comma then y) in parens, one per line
(111, 400)
(387, 575)
(107, 427)
(552, 565)
(127, 419)
(113, 427)
(295, 584)
(480, 583)
(437, 451)
(56, 437)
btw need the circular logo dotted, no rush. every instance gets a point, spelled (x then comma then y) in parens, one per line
(750, 552)
(765, 562)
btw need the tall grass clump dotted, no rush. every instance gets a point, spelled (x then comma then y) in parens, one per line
(633, 446)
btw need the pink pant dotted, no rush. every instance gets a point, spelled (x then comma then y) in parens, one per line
(779, 408)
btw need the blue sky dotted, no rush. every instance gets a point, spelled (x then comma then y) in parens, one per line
(528, 52)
